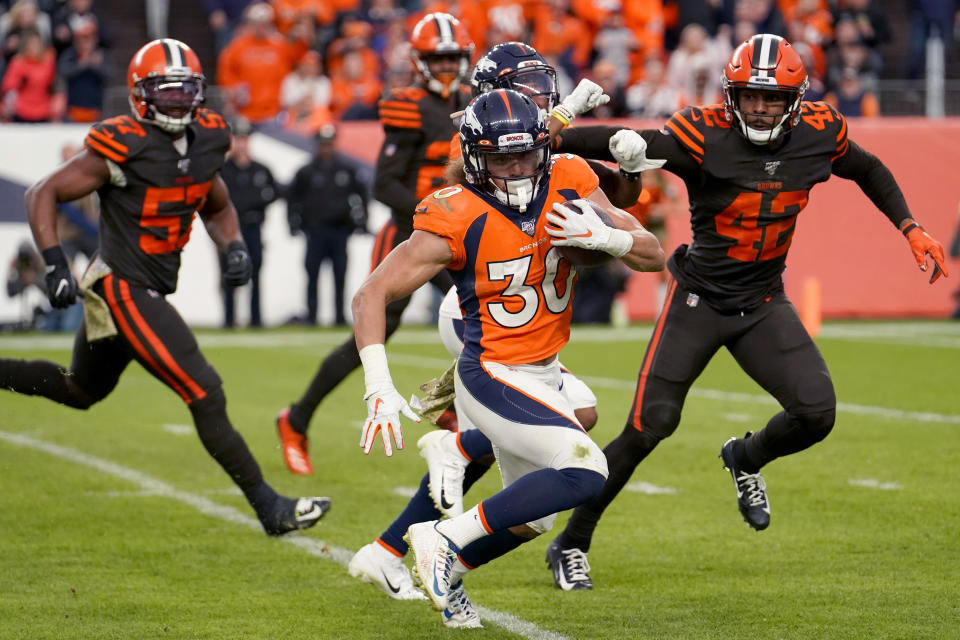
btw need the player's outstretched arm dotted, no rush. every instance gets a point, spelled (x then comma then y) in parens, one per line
(404, 270)
(622, 190)
(83, 174)
(877, 182)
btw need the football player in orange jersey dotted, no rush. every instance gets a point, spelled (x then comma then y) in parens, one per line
(748, 166)
(457, 460)
(153, 172)
(497, 234)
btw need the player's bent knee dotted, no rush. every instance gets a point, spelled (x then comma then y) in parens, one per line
(582, 484)
(659, 419)
(79, 398)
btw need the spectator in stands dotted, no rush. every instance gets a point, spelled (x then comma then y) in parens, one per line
(224, 17)
(695, 66)
(289, 12)
(617, 44)
(328, 202)
(28, 84)
(85, 69)
(809, 21)
(23, 17)
(870, 19)
(252, 188)
(305, 96)
(72, 13)
(679, 13)
(764, 15)
(849, 52)
(356, 88)
(955, 254)
(645, 19)
(605, 74)
(653, 97)
(851, 98)
(252, 67)
(559, 34)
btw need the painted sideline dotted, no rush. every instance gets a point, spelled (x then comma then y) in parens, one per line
(313, 546)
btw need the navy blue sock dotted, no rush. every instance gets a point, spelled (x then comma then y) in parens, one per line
(539, 494)
(419, 509)
(487, 548)
(474, 444)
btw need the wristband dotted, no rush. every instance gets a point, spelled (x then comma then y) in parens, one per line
(910, 227)
(620, 243)
(375, 369)
(237, 244)
(54, 256)
(562, 114)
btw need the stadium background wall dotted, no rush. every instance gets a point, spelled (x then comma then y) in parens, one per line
(864, 266)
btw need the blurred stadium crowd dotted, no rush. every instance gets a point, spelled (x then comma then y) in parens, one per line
(304, 63)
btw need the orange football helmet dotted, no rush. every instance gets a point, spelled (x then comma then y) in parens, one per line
(166, 84)
(437, 36)
(766, 62)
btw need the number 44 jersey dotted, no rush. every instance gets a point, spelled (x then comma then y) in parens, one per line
(147, 207)
(744, 198)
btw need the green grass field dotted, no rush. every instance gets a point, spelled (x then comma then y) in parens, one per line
(114, 523)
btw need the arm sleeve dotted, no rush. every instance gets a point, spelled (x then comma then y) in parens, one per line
(394, 167)
(874, 179)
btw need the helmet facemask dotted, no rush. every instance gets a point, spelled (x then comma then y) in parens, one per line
(171, 100)
(539, 84)
(447, 82)
(782, 122)
(520, 190)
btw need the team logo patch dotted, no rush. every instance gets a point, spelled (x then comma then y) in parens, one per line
(183, 165)
(771, 167)
(692, 300)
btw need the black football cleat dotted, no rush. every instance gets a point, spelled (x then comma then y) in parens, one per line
(751, 489)
(571, 571)
(290, 515)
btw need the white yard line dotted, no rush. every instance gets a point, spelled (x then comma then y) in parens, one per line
(149, 486)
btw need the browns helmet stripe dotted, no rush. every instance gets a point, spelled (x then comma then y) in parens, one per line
(765, 56)
(173, 53)
(445, 29)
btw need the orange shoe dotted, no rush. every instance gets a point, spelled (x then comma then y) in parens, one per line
(448, 420)
(294, 445)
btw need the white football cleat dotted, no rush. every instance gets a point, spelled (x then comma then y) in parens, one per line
(374, 564)
(460, 613)
(446, 466)
(433, 558)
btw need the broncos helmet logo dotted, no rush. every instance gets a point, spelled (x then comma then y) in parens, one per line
(470, 120)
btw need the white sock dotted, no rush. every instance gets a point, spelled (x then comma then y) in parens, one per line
(465, 528)
(457, 571)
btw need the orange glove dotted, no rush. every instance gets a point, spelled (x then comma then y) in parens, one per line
(923, 244)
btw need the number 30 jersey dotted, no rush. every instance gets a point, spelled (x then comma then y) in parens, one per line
(744, 198)
(515, 289)
(147, 208)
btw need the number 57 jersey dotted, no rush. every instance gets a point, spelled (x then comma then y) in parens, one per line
(515, 289)
(147, 207)
(744, 198)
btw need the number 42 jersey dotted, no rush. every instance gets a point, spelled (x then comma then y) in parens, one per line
(744, 198)
(147, 207)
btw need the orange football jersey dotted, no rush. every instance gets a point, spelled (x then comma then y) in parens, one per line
(515, 289)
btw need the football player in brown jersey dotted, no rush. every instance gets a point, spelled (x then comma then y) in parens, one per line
(417, 131)
(153, 171)
(748, 165)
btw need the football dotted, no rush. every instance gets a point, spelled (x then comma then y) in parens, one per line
(580, 257)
